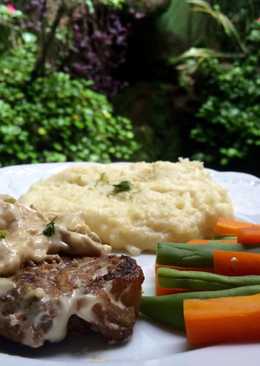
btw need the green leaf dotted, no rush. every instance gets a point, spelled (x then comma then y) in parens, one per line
(50, 229)
(123, 186)
(229, 28)
(197, 53)
(3, 234)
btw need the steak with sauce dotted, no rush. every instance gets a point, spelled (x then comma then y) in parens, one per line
(41, 301)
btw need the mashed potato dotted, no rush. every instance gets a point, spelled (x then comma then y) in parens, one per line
(157, 202)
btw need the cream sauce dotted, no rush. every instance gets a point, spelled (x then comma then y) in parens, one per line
(25, 240)
(81, 305)
(76, 304)
(6, 285)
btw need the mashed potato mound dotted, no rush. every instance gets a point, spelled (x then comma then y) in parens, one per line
(159, 202)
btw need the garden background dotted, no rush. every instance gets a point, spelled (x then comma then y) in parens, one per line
(113, 80)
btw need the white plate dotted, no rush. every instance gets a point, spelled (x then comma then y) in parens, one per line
(150, 344)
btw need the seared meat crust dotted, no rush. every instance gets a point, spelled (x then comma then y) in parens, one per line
(37, 303)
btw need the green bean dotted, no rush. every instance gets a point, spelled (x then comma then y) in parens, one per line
(195, 255)
(219, 238)
(196, 280)
(168, 309)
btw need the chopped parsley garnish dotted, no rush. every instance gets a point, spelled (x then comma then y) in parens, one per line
(10, 200)
(3, 234)
(50, 229)
(103, 179)
(123, 186)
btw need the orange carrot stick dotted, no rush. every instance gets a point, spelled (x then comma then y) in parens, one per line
(205, 241)
(160, 291)
(225, 226)
(198, 241)
(249, 235)
(222, 320)
(236, 263)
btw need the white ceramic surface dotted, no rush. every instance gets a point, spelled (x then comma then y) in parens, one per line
(150, 344)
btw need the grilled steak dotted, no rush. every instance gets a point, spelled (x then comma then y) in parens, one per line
(38, 302)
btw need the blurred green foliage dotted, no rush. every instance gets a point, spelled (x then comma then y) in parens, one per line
(204, 104)
(180, 27)
(55, 118)
(9, 27)
(226, 130)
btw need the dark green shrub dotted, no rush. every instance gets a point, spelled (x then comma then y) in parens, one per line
(9, 26)
(56, 118)
(228, 126)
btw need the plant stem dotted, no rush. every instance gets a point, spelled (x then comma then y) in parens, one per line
(40, 65)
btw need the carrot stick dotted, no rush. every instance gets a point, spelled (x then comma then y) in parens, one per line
(222, 320)
(249, 235)
(225, 226)
(205, 241)
(160, 291)
(236, 263)
(198, 241)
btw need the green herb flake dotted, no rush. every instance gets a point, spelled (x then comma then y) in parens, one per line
(103, 179)
(3, 234)
(124, 186)
(10, 200)
(50, 229)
